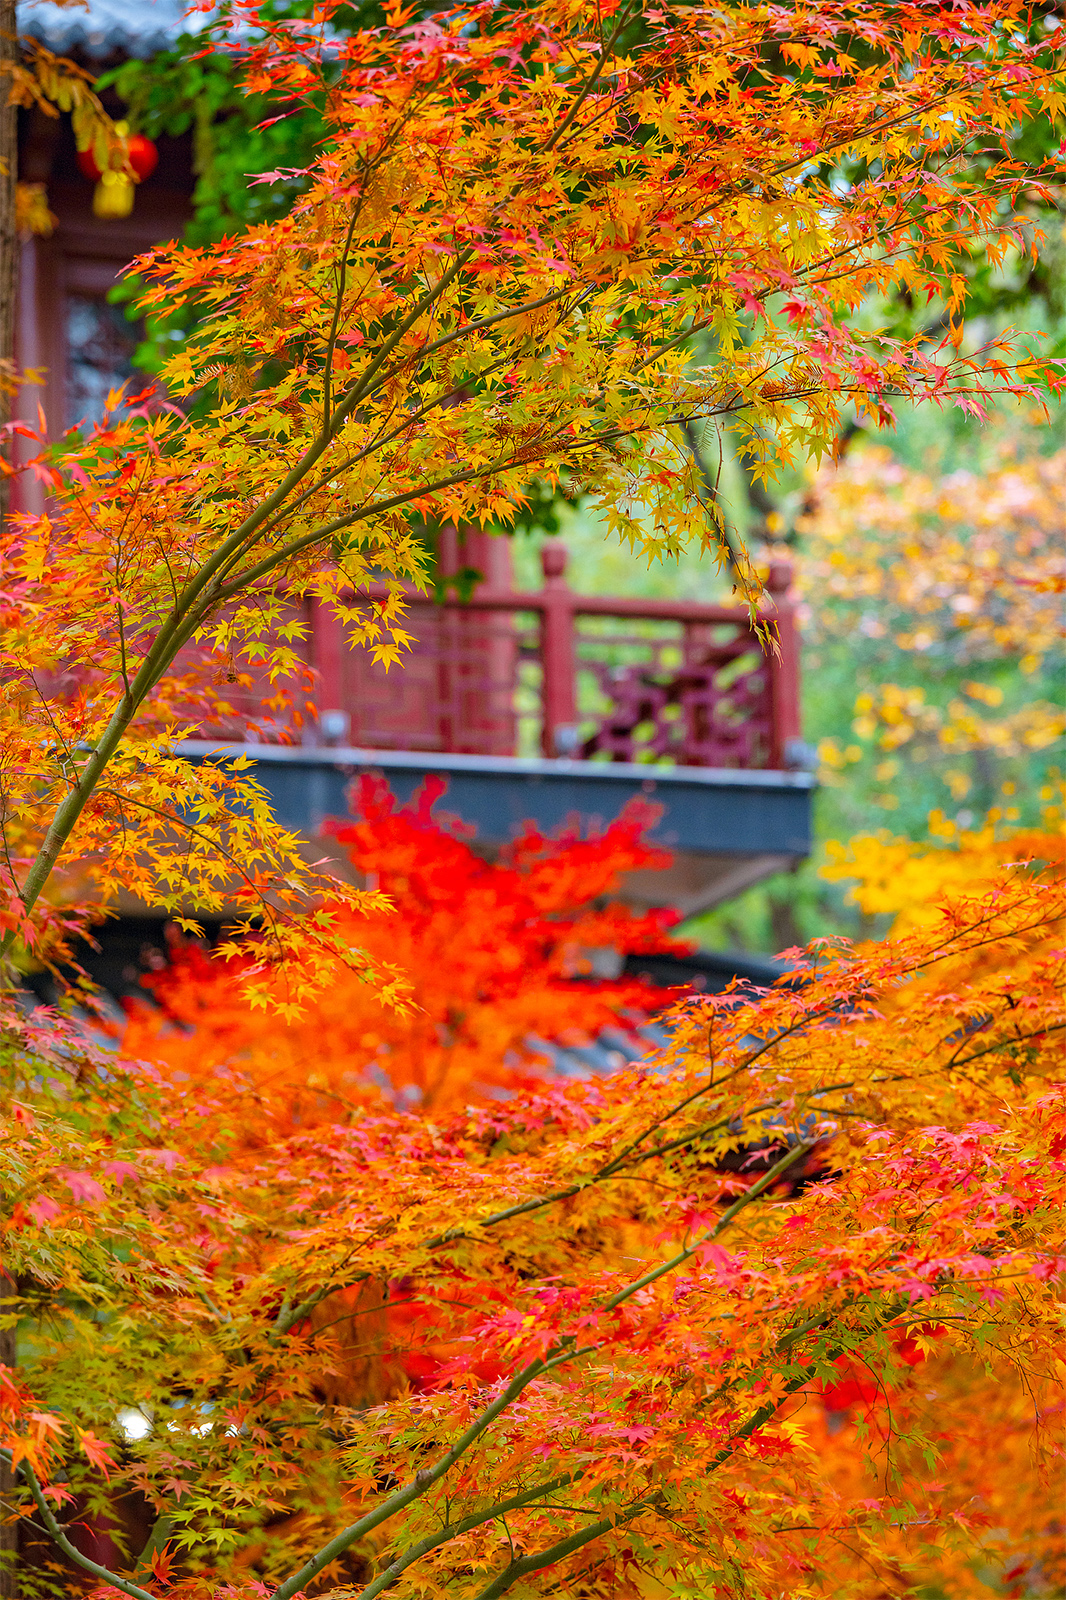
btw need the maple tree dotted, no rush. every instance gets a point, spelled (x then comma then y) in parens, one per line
(614, 1332)
(515, 230)
(589, 1334)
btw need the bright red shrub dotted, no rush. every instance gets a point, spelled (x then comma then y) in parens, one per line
(497, 955)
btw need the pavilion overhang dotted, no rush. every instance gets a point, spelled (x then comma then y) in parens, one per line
(726, 828)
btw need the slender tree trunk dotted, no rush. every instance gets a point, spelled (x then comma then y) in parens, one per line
(8, 237)
(9, 1583)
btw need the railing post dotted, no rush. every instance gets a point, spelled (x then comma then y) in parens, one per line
(559, 733)
(783, 668)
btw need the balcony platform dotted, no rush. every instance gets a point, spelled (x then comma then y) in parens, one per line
(548, 705)
(726, 828)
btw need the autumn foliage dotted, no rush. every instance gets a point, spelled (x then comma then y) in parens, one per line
(322, 1281)
(533, 245)
(593, 1333)
(494, 956)
(907, 879)
(954, 581)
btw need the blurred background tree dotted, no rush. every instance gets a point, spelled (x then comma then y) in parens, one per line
(935, 599)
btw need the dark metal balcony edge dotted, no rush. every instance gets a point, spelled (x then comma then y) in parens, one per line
(512, 766)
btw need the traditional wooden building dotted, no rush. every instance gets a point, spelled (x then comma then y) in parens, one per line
(67, 328)
(542, 704)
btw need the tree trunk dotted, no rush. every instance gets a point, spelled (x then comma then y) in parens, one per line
(9, 1583)
(8, 246)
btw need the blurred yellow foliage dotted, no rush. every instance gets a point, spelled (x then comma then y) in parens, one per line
(957, 572)
(896, 716)
(968, 565)
(910, 879)
(32, 212)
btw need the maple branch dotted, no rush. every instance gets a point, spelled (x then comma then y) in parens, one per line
(360, 389)
(804, 1021)
(566, 1547)
(727, 1218)
(186, 616)
(331, 342)
(59, 1538)
(68, 812)
(289, 1316)
(190, 828)
(528, 455)
(396, 1568)
(423, 1480)
(1004, 1044)
(479, 324)
(364, 388)
(576, 1541)
(712, 486)
(987, 925)
(266, 909)
(606, 51)
(559, 1356)
(439, 401)
(168, 641)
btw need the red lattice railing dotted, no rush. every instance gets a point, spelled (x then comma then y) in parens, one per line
(562, 674)
(555, 673)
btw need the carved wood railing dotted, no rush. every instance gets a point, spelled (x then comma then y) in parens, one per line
(562, 674)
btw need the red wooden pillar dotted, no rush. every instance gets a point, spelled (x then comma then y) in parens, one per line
(487, 553)
(783, 667)
(558, 736)
(328, 649)
(477, 650)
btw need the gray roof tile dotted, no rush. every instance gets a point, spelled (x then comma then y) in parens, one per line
(103, 28)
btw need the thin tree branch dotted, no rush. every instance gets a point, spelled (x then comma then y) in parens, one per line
(423, 1480)
(59, 1538)
(624, 17)
(396, 1568)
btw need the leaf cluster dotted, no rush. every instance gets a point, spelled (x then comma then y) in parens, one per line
(594, 1333)
(953, 581)
(498, 957)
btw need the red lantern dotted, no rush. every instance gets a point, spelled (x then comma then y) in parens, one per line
(143, 157)
(87, 163)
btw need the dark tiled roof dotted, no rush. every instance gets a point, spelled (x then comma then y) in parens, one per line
(105, 28)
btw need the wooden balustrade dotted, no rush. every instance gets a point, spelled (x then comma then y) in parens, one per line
(567, 675)
(552, 672)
